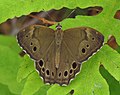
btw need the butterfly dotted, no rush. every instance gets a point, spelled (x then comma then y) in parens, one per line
(59, 54)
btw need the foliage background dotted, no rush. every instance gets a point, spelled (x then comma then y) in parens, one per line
(18, 75)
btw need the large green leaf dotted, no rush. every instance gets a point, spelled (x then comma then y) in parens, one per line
(4, 90)
(43, 90)
(9, 65)
(114, 85)
(26, 68)
(89, 81)
(32, 84)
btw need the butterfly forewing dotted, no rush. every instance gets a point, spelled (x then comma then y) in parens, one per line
(82, 42)
(36, 40)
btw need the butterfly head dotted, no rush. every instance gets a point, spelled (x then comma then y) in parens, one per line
(58, 27)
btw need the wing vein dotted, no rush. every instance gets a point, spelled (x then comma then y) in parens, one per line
(48, 48)
(69, 50)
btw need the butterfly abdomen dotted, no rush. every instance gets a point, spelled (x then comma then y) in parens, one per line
(58, 41)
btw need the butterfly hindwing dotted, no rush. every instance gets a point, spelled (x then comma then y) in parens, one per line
(68, 66)
(46, 65)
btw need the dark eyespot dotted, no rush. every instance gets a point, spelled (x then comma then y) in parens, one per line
(74, 65)
(83, 50)
(93, 39)
(52, 74)
(59, 74)
(43, 69)
(26, 36)
(31, 43)
(41, 63)
(87, 45)
(65, 73)
(71, 71)
(35, 48)
(47, 71)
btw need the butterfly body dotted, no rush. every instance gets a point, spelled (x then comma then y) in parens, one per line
(58, 41)
(58, 54)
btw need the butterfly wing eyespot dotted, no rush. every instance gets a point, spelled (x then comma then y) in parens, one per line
(47, 72)
(74, 65)
(93, 38)
(66, 73)
(42, 70)
(87, 45)
(83, 50)
(60, 74)
(40, 63)
(34, 49)
(71, 71)
(25, 33)
(52, 73)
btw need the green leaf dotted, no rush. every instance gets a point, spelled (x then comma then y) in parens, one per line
(9, 64)
(43, 90)
(21, 7)
(111, 62)
(89, 81)
(26, 68)
(114, 85)
(4, 90)
(11, 42)
(32, 84)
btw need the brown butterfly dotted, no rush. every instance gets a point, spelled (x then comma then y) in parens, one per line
(58, 54)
